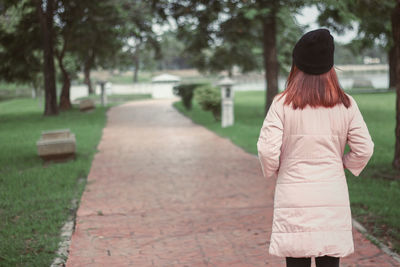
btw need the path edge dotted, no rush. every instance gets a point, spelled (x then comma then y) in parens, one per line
(66, 234)
(375, 240)
(67, 230)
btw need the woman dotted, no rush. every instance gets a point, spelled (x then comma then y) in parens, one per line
(301, 145)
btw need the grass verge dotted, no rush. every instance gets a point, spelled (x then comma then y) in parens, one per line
(116, 99)
(35, 201)
(374, 195)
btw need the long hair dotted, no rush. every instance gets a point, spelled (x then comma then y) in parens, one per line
(304, 89)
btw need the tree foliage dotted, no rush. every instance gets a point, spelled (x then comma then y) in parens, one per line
(173, 54)
(222, 34)
(139, 35)
(26, 45)
(372, 19)
(20, 47)
(77, 33)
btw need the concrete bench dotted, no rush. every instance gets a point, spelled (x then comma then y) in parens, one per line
(86, 104)
(56, 145)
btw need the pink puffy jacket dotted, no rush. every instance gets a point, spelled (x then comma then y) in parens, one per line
(303, 150)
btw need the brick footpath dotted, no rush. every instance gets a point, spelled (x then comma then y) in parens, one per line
(163, 191)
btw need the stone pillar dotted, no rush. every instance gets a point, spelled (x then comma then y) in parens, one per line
(227, 104)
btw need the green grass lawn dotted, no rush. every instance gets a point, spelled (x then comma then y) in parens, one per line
(115, 98)
(374, 196)
(13, 86)
(35, 200)
(14, 90)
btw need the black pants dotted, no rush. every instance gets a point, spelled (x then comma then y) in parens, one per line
(324, 261)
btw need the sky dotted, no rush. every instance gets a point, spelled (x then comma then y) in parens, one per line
(308, 16)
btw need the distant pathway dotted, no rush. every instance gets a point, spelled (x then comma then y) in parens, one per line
(163, 191)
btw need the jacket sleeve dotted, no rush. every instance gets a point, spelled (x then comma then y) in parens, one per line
(360, 142)
(270, 140)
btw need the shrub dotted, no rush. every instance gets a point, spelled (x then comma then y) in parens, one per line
(209, 98)
(185, 91)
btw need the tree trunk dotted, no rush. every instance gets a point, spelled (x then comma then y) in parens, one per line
(392, 67)
(46, 27)
(65, 101)
(88, 81)
(230, 72)
(137, 65)
(86, 70)
(396, 38)
(270, 58)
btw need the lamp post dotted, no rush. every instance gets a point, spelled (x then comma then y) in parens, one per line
(227, 94)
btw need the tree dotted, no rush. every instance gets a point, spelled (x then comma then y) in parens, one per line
(98, 35)
(69, 14)
(379, 20)
(139, 17)
(373, 20)
(34, 21)
(226, 33)
(172, 52)
(45, 13)
(219, 46)
(20, 51)
(65, 101)
(396, 37)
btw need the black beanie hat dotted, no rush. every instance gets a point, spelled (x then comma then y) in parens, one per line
(313, 53)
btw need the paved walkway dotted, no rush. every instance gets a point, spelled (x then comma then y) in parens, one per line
(163, 191)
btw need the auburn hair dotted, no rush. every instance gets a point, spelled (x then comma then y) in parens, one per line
(304, 89)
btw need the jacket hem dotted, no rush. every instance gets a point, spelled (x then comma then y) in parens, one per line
(339, 255)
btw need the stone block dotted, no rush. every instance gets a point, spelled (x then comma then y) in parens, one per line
(56, 145)
(86, 104)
